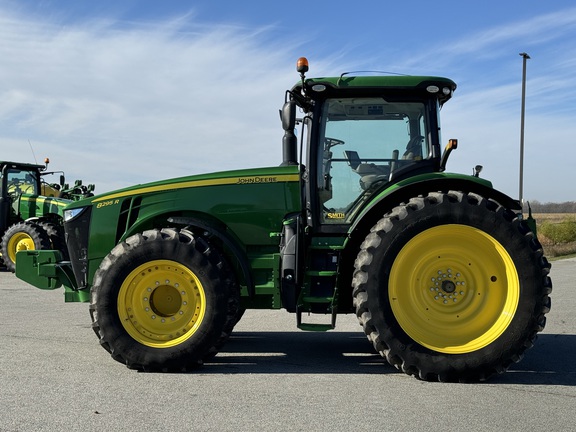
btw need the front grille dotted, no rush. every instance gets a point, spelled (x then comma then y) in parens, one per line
(77, 232)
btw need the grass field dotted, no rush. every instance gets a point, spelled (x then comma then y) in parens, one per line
(553, 217)
(557, 243)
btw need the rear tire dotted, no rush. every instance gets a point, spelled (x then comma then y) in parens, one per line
(451, 287)
(21, 237)
(161, 299)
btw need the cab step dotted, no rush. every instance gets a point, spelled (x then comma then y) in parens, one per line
(315, 327)
(309, 326)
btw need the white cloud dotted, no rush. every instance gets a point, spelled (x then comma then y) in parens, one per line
(487, 123)
(119, 106)
(537, 30)
(485, 111)
(493, 43)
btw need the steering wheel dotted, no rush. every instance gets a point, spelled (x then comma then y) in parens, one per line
(331, 142)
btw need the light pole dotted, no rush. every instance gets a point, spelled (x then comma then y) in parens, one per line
(524, 58)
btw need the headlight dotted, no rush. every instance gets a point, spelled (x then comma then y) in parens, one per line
(73, 213)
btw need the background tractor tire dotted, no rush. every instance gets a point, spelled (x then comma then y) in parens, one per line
(451, 287)
(20, 237)
(55, 233)
(161, 299)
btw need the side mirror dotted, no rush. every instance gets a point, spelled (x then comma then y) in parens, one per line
(288, 115)
(62, 181)
(289, 140)
(452, 145)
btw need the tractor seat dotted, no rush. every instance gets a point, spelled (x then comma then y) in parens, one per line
(413, 148)
(368, 172)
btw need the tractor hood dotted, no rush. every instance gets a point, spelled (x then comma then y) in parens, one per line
(251, 202)
(237, 177)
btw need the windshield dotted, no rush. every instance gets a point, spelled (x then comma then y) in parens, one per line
(363, 142)
(21, 181)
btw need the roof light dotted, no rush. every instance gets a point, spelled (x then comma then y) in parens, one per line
(446, 91)
(318, 87)
(302, 65)
(432, 89)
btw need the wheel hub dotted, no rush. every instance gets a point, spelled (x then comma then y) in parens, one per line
(24, 245)
(19, 242)
(162, 302)
(447, 286)
(166, 301)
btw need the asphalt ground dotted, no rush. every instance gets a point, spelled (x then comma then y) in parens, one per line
(269, 377)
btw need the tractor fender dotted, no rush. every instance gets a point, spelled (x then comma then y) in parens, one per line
(403, 191)
(202, 227)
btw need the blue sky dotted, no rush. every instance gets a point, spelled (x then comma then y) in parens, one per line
(125, 92)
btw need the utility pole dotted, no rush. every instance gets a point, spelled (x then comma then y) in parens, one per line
(524, 58)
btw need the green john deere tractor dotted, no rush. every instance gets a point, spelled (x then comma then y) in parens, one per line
(446, 278)
(31, 209)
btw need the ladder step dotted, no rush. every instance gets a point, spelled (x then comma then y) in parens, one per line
(312, 326)
(321, 273)
(317, 299)
(315, 327)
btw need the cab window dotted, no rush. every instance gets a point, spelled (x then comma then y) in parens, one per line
(21, 181)
(363, 141)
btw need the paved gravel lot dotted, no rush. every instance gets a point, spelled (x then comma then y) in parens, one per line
(270, 377)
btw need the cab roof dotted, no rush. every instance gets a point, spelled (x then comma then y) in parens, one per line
(379, 85)
(21, 165)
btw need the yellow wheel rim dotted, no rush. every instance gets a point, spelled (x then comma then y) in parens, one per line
(454, 289)
(19, 242)
(161, 303)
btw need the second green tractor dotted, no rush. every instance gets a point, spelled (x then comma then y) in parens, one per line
(31, 209)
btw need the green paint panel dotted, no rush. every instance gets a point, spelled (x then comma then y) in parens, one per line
(251, 204)
(38, 206)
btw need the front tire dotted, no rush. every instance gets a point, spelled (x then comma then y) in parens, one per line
(160, 301)
(21, 237)
(451, 287)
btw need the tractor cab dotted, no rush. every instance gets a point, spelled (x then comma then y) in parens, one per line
(16, 179)
(363, 134)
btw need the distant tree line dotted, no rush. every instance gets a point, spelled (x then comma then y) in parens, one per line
(563, 207)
